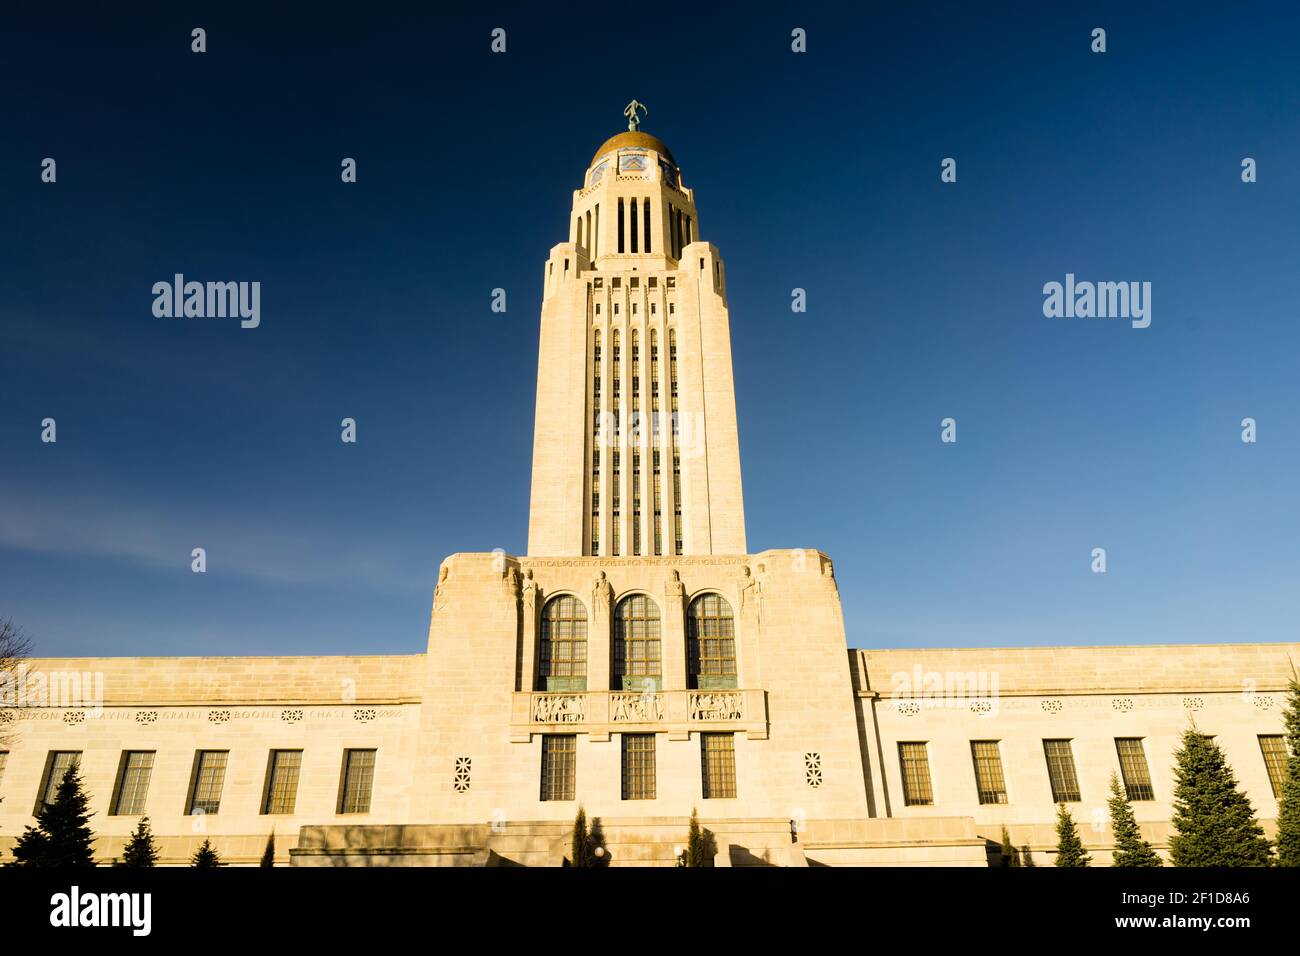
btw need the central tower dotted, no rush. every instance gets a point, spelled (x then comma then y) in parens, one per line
(635, 447)
(628, 661)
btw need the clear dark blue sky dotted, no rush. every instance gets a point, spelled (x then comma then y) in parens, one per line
(818, 170)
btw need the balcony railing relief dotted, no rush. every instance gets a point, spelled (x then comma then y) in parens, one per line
(674, 712)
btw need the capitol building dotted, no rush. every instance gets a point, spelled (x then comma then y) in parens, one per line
(639, 661)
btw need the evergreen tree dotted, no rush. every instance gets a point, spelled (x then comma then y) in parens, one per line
(1130, 849)
(140, 849)
(1010, 855)
(1288, 803)
(580, 853)
(1069, 848)
(1026, 858)
(596, 840)
(698, 844)
(206, 858)
(1214, 823)
(62, 834)
(268, 855)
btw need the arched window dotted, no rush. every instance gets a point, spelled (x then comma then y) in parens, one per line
(710, 643)
(637, 658)
(562, 660)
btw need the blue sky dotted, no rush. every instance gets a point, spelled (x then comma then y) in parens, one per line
(818, 171)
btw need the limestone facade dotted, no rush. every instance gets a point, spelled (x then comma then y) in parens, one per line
(638, 662)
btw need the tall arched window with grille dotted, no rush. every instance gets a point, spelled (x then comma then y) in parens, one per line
(710, 643)
(637, 654)
(562, 656)
(595, 446)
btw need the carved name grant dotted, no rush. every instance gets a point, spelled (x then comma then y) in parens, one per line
(715, 706)
(559, 709)
(637, 708)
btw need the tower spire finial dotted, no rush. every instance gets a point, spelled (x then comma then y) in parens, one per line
(630, 111)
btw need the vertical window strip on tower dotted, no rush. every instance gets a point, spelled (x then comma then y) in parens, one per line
(620, 226)
(595, 501)
(632, 230)
(1060, 771)
(636, 501)
(654, 378)
(645, 206)
(914, 765)
(672, 374)
(1133, 768)
(989, 782)
(616, 499)
(595, 432)
(658, 520)
(677, 502)
(636, 383)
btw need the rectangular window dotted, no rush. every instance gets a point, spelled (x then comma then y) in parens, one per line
(1273, 748)
(132, 782)
(282, 781)
(914, 764)
(989, 782)
(559, 765)
(718, 765)
(1133, 767)
(1060, 771)
(56, 765)
(358, 781)
(638, 766)
(209, 775)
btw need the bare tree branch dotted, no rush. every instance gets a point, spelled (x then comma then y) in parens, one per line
(14, 647)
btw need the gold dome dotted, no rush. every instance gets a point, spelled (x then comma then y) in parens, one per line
(637, 140)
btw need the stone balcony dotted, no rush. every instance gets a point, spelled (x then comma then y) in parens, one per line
(674, 712)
